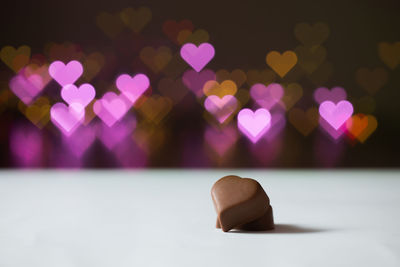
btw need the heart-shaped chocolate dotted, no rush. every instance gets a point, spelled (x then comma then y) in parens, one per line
(265, 222)
(238, 201)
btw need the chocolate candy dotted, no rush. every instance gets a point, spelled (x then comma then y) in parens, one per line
(241, 203)
(264, 223)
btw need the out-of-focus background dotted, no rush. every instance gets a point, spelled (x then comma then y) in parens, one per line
(344, 51)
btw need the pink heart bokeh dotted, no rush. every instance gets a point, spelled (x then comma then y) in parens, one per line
(82, 95)
(24, 89)
(39, 76)
(112, 136)
(133, 87)
(197, 57)
(65, 73)
(221, 140)
(266, 96)
(80, 141)
(254, 124)
(67, 118)
(336, 114)
(221, 108)
(111, 108)
(26, 146)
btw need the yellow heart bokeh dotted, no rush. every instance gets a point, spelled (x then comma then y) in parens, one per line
(14, 58)
(197, 37)
(293, 93)
(365, 104)
(5, 99)
(311, 35)
(175, 67)
(92, 65)
(310, 58)
(110, 24)
(243, 96)
(156, 59)
(42, 71)
(389, 53)
(281, 63)
(266, 76)
(227, 87)
(371, 80)
(148, 137)
(320, 76)
(304, 122)
(238, 76)
(65, 51)
(38, 113)
(155, 108)
(174, 89)
(136, 19)
(89, 113)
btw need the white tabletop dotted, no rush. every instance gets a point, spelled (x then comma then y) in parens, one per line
(166, 218)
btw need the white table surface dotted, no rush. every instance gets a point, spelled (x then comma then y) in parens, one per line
(166, 218)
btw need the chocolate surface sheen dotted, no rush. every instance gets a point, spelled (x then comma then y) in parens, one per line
(239, 201)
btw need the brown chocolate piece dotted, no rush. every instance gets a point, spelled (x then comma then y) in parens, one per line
(265, 222)
(238, 201)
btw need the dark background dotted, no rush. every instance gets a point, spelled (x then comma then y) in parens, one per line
(242, 33)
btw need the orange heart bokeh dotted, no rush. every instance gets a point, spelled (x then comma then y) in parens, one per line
(361, 126)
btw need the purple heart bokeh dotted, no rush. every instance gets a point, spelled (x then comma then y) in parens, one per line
(24, 89)
(335, 95)
(278, 122)
(221, 140)
(130, 155)
(266, 96)
(26, 146)
(330, 131)
(196, 80)
(112, 136)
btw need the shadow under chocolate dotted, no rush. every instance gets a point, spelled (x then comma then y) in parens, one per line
(283, 229)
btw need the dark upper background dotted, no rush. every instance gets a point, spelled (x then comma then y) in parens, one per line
(242, 33)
